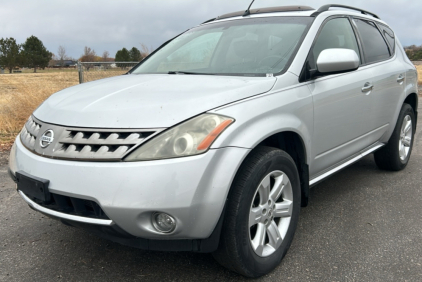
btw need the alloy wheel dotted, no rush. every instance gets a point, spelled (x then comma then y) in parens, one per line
(270, 213)
(405, 137)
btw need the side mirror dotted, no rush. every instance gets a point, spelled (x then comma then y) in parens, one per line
(337, 61)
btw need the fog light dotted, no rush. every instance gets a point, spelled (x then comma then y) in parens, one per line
(163, 222)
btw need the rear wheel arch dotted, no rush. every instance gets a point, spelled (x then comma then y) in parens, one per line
(412, 100)
(395, 155)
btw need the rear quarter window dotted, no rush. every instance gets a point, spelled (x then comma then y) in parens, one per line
(389, 36)
(374, 46)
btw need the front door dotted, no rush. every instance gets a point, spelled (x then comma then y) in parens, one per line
(342, 102)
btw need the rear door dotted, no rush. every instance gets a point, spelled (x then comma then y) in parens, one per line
(388, 74)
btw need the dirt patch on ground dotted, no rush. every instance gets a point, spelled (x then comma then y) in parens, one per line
(5, 147)
(4, 157)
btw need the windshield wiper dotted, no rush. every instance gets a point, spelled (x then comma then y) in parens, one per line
(187, 72)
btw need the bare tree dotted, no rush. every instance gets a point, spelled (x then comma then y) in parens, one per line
(61, 54)
(53, 60)
(145, 50)
(106, 55)
(89, 55)
(104, 58)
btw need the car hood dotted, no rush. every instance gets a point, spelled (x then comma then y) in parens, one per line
(146, 101)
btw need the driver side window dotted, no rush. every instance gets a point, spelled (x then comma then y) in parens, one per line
(336, 33)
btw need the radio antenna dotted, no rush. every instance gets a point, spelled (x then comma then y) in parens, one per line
(248, 11)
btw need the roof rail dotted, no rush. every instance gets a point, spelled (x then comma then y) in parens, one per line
(267, 10)
(210, 20)
(325, 8)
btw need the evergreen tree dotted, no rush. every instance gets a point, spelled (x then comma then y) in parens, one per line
(118, 56)
(10, 54)
(35, 54)
(122, 56)
(135, 55)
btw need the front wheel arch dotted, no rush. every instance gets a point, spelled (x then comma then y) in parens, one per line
(232, 252)
(292, 143)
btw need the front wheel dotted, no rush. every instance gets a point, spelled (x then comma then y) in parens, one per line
(262, 213)
(396, 154)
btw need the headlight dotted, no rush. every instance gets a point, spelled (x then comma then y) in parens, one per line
(190, 138)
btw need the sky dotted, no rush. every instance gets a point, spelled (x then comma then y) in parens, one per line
(109, 25)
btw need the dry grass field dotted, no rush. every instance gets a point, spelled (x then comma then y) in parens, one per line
(93, 74)
(419, 68)
(20, 95)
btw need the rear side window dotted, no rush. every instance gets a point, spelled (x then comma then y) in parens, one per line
(389, 35)
(375, 48)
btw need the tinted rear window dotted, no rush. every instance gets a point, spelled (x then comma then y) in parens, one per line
(374, 46)
(389, 35)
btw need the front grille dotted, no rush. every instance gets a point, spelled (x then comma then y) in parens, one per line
(72, 206)
(83, 144)
(89, 144)
(30, 133)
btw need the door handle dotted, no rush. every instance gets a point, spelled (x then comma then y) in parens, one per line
(400, 79)
(367, 87)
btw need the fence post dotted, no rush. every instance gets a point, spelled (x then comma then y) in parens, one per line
(90, 71)
(80, 72)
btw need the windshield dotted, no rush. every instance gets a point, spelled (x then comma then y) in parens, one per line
(255, 47)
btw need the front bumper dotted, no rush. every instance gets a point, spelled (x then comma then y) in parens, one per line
(65, 216)
(110, 231)
(192, 189)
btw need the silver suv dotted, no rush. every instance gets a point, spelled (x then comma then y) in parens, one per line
(212, 142)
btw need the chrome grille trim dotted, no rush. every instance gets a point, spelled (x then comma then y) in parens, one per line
(98, 144)
(30, 133)
(84, 144)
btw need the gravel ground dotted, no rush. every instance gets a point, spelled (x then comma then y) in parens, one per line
(363, 224)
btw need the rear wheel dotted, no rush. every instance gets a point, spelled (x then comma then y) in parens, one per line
(262, 213)
(396, 154)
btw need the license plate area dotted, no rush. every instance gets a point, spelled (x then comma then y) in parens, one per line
(33, 186)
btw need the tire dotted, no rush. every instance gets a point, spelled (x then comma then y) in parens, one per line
(249, 215)
(396, 154)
